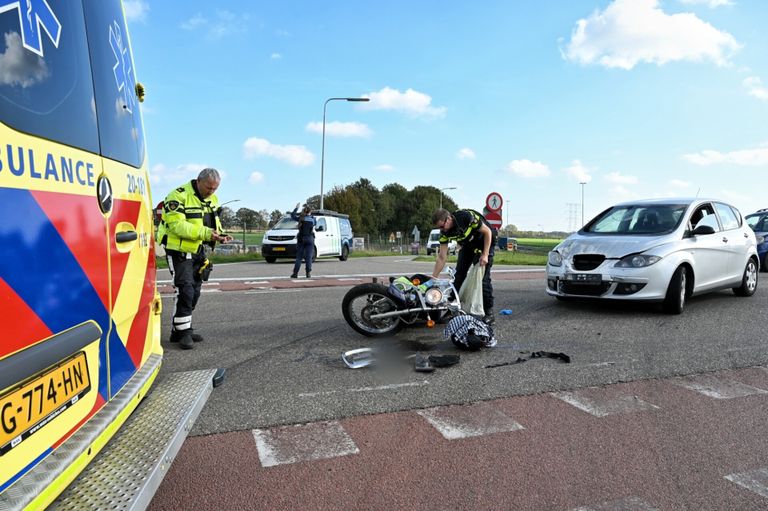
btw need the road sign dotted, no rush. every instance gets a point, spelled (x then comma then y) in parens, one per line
(494, 201)
(494, 218)
(416, 233)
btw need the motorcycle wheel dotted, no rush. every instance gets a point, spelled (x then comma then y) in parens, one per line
(361, 302)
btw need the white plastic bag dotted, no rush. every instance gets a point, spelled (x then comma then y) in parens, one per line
(471, 292)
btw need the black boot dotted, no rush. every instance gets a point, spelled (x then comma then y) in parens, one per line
(294, 275)
(309, 274)
(185, 341)
(177, 334)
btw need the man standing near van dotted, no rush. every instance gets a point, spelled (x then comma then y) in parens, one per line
(190, 221)
(305, 239)
(477, 238)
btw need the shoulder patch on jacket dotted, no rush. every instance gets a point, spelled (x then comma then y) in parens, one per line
(180, 189)
(172, 205)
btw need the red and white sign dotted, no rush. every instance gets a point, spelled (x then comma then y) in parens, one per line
(494, 201)
(494, 218)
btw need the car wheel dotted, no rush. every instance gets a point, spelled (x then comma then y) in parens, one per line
(748, 280)
(270, 259)
(765, 262)
(429, 252)
(344, 253)
(674, 302)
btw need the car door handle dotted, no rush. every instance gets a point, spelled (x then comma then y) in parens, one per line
(126, 236)
(746, 235)
(725, 240)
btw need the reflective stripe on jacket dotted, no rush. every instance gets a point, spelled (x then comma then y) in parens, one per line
(188, 220)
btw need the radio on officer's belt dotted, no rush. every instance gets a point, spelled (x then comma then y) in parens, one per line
(205, 270)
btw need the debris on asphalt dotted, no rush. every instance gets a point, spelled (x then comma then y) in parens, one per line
(422, 364)
(356, 359)
(536, 354)
(444, 360)
(505, 312)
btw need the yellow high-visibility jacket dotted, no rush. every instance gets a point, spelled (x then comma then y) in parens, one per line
(188, 220)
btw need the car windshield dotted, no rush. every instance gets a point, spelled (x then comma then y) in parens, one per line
(636, 219)
(286, 223)
(435, 236)
(758, 222)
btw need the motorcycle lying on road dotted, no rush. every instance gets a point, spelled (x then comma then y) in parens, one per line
(375, 309)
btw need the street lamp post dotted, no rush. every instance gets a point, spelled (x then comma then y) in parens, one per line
(441, 194)
(582, 183)
(322, 150)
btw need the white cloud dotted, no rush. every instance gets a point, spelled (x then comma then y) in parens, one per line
(622, 194)
(679, 183)
(385, 167)
(223, 24)
(135, 10)
(712, 4)
(18, 66)
(465, 153)
(528, 168)
(411, 102)
(175, 176)
(745, 157)
(296, 155)
(620, 179)
(195, 22)
(579, 172)
(631, 31)
(255, 177)
(756, 88)
(275, 56)
(340, 129)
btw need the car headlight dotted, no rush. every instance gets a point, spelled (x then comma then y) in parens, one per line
(637, 261)
(554, 259)
(760, 239)
(433, 296)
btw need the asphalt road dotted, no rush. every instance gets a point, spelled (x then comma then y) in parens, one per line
(282, 348)
(654, 412)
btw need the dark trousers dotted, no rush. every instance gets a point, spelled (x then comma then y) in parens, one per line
(184, 267)
(466, 258)
(304, 250)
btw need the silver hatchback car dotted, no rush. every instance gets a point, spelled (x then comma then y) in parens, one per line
(662, 250)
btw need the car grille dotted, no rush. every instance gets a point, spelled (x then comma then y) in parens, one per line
(280, 238)
(575, 288)
(584, 262)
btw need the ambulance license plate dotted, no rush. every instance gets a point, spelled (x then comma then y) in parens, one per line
(279, 249)
(26, 409)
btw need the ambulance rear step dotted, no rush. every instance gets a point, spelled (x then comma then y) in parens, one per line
(128, 471)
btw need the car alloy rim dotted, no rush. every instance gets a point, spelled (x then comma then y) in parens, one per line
(751, 276)
(682, 289)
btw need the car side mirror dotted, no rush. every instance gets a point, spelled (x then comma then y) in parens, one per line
(703, 229)
(320, 228)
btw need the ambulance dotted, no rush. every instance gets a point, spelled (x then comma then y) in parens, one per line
(80, 346)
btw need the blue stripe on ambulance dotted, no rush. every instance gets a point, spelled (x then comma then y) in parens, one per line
(42, 287)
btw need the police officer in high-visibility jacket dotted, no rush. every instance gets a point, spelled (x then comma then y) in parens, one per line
(190, 221)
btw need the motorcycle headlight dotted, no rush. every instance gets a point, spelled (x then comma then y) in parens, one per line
(554, 259)
(760, 239)
(637, 261)
(433, 296)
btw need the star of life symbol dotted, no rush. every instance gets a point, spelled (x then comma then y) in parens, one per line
(122, 68)
(34, 15)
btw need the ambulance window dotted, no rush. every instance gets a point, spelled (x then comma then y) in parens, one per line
(117, 107)
(46, 88)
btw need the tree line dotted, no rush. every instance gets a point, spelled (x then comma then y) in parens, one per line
(371, 211)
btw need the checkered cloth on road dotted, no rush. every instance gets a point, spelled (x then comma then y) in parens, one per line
(458, 328)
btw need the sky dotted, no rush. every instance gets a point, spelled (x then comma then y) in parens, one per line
(526, 98)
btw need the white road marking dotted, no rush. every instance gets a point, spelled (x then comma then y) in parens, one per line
(303, 442)
(204, 290)
(366, 389)
(755, 481)
(600, 406)
(348, 279)
(717, 388)
(266, 291)
(625, 504)
(464, 421)
(257, 282)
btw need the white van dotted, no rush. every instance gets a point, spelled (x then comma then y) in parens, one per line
(433, 243)
(333, 237)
